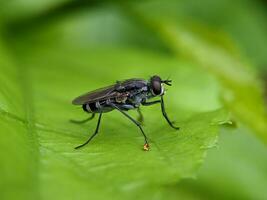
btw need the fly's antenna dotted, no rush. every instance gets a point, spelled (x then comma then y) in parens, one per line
(167, 82)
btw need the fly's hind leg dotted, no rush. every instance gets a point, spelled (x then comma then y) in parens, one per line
(83, 121)
(92, 136)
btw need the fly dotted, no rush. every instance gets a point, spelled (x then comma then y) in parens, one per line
(123, 96)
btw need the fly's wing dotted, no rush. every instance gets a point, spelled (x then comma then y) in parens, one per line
(96, 95)
(131, 84)
(110, 91)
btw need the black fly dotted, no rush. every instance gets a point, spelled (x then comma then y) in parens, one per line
(123, 96)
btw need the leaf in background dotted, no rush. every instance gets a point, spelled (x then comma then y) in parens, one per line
(244, 21)
(10, 91)
(22, 9)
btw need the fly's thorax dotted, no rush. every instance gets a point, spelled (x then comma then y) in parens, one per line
(137, 99)
(133, 97)
(122, 98)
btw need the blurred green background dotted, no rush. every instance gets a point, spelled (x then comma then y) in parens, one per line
(215, 53)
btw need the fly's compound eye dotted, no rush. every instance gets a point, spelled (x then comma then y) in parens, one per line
(156, 86)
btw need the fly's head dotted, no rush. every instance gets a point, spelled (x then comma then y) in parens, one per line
(157, 85)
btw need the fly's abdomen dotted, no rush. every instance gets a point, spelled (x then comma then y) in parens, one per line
(97, 107)
(90, 107)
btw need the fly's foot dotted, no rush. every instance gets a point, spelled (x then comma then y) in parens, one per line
(146, 147)
(173, 126)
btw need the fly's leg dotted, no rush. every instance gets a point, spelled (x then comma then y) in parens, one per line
(92, 136)
(146, 145)
(151, 103)
(140, 118)
(165, 114)
(162, 110)
(83, 121)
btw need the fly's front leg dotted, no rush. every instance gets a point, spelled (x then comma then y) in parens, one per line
(83, 121)
(162, 110)
(166, 116)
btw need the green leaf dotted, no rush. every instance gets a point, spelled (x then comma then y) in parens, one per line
(39, 143)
